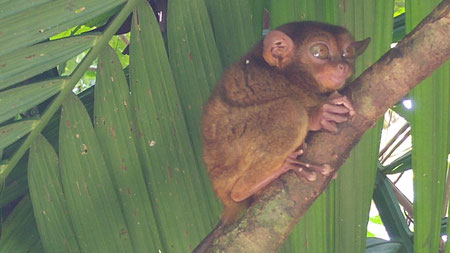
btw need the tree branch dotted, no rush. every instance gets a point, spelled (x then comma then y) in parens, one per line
(382, 85)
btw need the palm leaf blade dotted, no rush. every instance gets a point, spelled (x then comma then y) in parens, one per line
(49, 205)
(21, 99)
(19, 232)
(25, 63)
(34, 22)
(194, 59)
(114, 131)
(163, 141)
(92, 202)
(429, 131)
(13, 132)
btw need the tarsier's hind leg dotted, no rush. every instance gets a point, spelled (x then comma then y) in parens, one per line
(255, 180)
(271, 147)
(251, 183)
(306, 170)
(337, 110)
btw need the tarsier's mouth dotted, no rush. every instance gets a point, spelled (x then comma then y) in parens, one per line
(332, 82)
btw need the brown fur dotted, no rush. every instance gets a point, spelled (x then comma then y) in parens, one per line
(259, 113)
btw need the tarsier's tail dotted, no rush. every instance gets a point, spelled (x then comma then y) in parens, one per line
(207, 241)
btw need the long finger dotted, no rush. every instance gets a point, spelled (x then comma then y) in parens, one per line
(340, 109)
(345, 102)
(334, 117)
(328, 125)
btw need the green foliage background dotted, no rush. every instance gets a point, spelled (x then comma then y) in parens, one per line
(119, 169)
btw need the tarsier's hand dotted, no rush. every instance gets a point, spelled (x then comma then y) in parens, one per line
(337, 110)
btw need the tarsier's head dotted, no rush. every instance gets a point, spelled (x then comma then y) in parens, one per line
(325, 52)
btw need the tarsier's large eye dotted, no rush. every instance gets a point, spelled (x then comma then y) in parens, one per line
(349, 53)
(319, 50)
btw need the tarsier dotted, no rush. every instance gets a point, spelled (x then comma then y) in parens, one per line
(257, 119)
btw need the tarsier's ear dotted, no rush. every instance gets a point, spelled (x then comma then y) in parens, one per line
(277, 48)
(360, 46)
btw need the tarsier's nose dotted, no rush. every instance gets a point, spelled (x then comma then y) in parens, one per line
(342, 67)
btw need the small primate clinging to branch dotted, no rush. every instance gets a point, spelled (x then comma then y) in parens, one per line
(256, 121)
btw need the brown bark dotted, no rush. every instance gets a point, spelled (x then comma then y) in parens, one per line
(273, 215)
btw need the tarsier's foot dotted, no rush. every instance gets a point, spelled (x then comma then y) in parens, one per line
(337, 110)
(303, 169)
